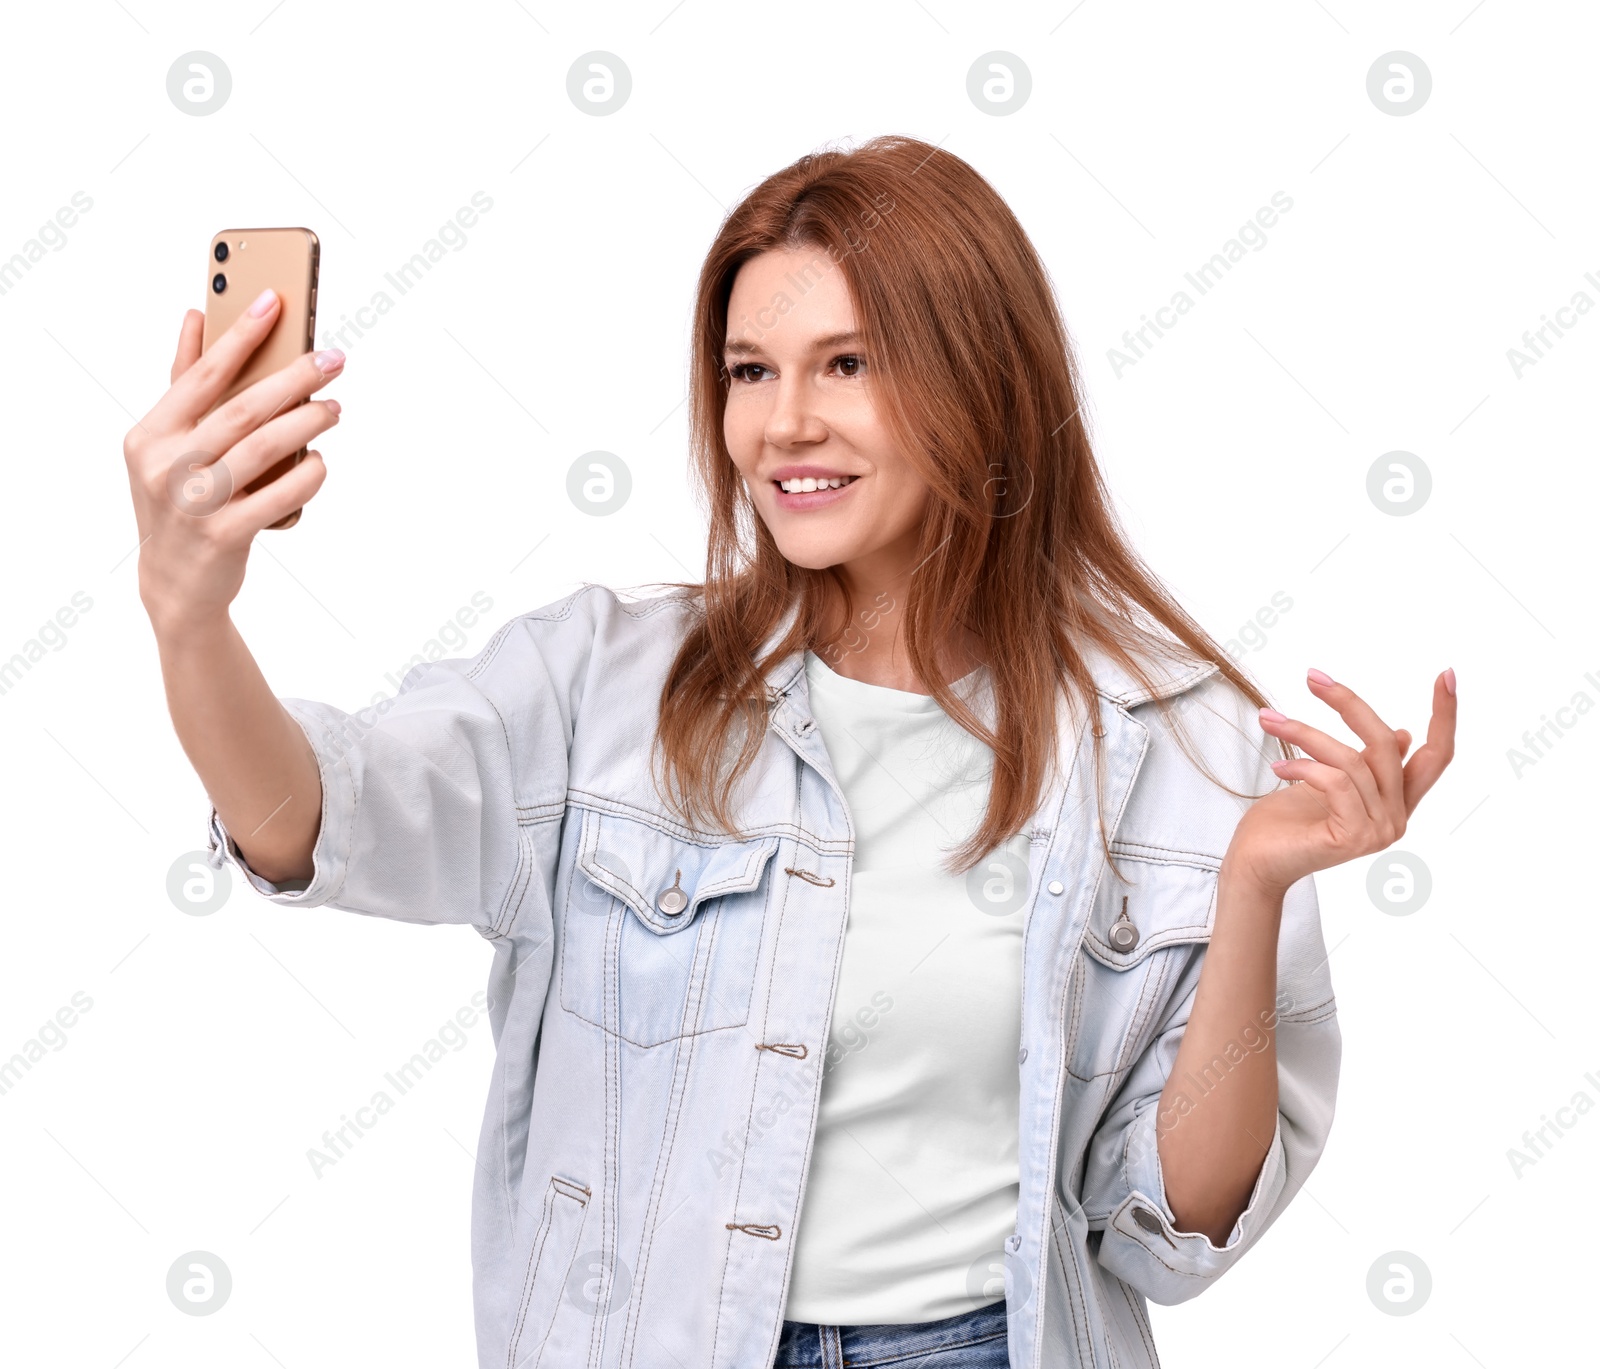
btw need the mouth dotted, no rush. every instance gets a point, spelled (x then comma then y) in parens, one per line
(815, 490)
(809, 484)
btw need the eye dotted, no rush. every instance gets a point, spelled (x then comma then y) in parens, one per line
(741, 371)
(850, 365)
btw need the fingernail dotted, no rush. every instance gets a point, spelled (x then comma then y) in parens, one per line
(264, 302)
(330, 360)
(1318, 677)
(1276, 764)
(1450, 681)
(333, 406)
(1271, 715)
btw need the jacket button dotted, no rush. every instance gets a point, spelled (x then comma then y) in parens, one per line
(1013, 1244)
(1056, 887)
(673, 900)
(1124, 935)
(1022, 1056)
(1147, 1219)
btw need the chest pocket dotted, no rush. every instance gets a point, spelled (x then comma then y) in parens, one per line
(1144, 933)
(661, 937)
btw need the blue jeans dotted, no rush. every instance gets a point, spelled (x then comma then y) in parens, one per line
(973, 1340)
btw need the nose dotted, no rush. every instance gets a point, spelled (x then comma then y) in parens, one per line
(794, 419)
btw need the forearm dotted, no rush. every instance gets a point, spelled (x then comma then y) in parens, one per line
(249, 753)
(1219, 1108)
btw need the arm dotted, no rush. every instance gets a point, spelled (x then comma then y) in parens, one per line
(1145, 1244)
(1213, 1140)
(253, 759)
(184, 466)
(1348, 804)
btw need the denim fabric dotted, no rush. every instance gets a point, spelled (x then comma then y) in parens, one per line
(660, 996)
(973, 1340)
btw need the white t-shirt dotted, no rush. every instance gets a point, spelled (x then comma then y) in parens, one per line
(912, 1190)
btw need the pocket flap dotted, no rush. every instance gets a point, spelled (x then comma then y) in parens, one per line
(1170, 898)
(663, 878)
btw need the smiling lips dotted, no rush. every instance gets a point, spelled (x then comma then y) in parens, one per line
(806, 484)
(809, 487)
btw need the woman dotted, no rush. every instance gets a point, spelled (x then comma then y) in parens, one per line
(904, 952)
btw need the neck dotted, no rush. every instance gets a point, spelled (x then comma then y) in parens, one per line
(871, 646)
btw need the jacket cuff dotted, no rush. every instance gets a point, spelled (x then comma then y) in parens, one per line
(1144, 1248)
(330, 856)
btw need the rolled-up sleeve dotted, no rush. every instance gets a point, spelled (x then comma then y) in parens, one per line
(1141, 1244)
(419, 814)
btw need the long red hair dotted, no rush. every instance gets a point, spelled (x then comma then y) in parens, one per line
(979, 385)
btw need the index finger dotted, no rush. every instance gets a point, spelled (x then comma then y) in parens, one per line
(201, 385)
(1424, 768)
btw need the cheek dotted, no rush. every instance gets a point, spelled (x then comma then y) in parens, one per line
(906, 501)
(742, 431)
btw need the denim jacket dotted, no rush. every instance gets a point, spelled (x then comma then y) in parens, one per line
(661, 997)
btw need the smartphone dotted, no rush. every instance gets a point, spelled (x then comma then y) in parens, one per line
(241, 264)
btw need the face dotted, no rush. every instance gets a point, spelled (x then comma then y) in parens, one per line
(802, 426)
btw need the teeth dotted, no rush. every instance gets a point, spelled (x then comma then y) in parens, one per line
(810, 484)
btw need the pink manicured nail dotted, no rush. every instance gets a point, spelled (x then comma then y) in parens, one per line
(1318, 677)
(333, 406)
(330, 360)
(1271, 715)
(264, 302)
(1450, 681)
(1276, 764)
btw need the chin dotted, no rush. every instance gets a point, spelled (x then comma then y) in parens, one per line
(817, 553)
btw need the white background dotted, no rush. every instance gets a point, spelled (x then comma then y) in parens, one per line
(218, 1049)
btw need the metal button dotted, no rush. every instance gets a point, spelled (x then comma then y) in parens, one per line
(1013, 1244)
(1022, 1056)
(1147, 1219)
(673, 900)
(1056, 887)
(1124, 935)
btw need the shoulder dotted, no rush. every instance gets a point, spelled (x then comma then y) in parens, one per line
(590, 635)
(572, 687)
(593, 655)
(1206, 759)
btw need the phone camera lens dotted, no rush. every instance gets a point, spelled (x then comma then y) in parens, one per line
(221, 252)
(219, 283)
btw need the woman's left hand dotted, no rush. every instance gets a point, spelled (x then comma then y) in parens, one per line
(1348, 803)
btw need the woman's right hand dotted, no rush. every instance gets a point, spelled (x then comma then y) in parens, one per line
(187, 467)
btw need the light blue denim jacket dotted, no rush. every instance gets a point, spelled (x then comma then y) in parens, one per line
(661, 998)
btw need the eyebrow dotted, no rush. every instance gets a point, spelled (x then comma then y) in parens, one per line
(739, 347)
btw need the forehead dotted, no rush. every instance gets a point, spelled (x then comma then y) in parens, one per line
(788, 299)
